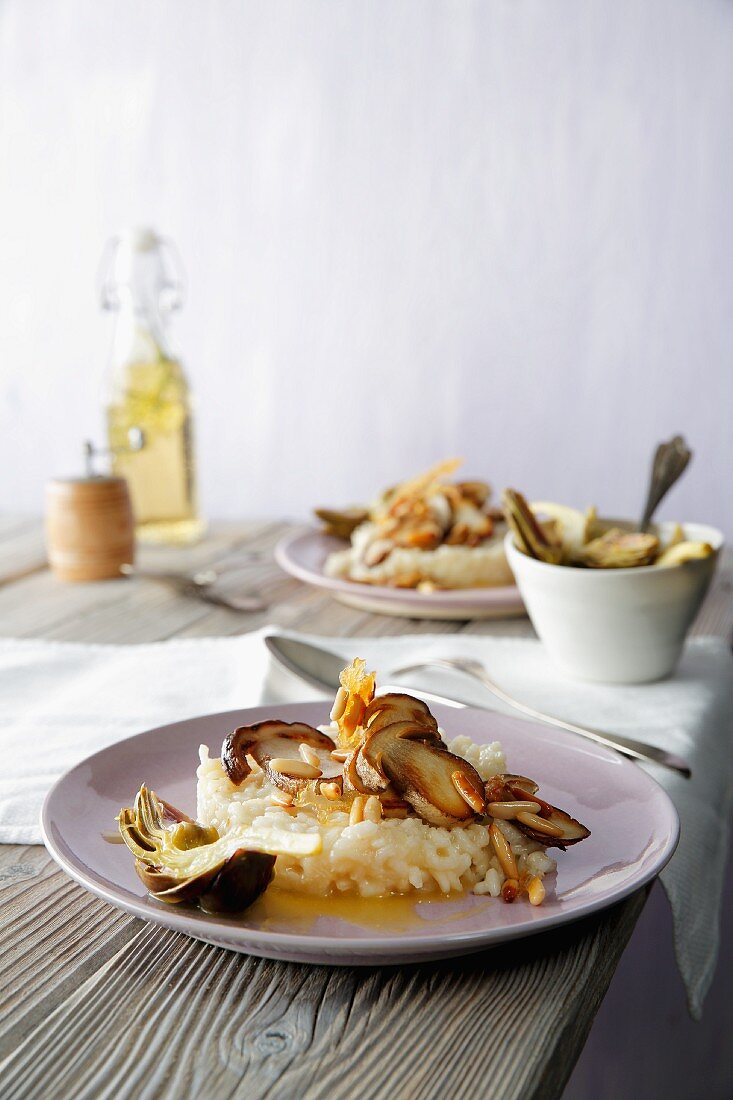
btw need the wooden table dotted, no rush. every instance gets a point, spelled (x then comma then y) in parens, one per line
(96, 1003)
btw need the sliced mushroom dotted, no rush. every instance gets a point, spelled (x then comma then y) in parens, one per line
(396, 707)
(430, 778)
(341, 523)
(478, 492)
(274, 740)
(571, 831)
(551, 827)
(352, 784)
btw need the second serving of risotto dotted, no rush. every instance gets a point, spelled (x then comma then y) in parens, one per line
(376, 803)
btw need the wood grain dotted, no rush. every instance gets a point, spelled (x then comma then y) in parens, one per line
(94, 1003)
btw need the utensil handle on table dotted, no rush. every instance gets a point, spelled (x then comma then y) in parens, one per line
(670, 462)
(427, 696)
(638, 750)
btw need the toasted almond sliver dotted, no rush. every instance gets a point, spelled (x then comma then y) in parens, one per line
(309, 755)
(536, 890)
(503, 852)
(339, 755)
(297, 769)
(505, 811)
(539, 824)
(339, 704)
(331, 791)
(373, 809)
(356, 815)
(468, 792)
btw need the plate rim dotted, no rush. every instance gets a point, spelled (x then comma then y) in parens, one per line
(345, 950)
(495, 594)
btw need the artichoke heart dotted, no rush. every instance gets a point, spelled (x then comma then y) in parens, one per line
(179, 860)
(533, 538)
(680, 552)
(618, 549)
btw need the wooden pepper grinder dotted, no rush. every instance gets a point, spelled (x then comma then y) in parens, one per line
(90, 529)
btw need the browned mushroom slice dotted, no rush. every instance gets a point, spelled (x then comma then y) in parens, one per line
(442, 788)
(557, 830)
(478, 492)
(396, 707)
(341, 523)
(499, 788)
(518, 786)
(352, 784)
(275, 746)
(550, 826)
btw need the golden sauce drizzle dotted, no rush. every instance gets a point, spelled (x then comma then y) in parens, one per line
(284, 910)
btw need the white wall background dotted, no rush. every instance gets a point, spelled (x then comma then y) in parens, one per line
(413, 228)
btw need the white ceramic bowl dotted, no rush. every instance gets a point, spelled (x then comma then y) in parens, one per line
(622, 626)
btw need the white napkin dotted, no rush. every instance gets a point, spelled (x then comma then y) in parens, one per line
(59, 702)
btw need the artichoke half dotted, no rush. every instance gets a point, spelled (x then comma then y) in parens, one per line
(179, 860)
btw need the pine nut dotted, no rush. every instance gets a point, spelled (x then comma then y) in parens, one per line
(519, 792)
(536, 891)
(373, 809)
(510, 890)
(505, 811)
(296, 769)
(331, 791)
(539, 824)
(339, 704)
(339, 755)
(283, 798)
(468, 792)
(503, 852)
(309, 755)
(356, 815)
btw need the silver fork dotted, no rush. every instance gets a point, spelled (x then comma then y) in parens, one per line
(199, 586)
(638, 750)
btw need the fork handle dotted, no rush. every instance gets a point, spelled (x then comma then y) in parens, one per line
(638, 750)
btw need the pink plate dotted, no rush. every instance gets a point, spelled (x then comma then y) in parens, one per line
(633, 823)
(303, 555)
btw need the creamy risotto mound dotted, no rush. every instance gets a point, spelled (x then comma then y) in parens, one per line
(392, 855)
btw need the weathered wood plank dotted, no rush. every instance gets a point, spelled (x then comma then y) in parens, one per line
(22, 550)
(151, 1013)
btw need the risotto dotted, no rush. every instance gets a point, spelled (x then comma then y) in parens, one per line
(377, 803)
(371, 858)
(425, 533)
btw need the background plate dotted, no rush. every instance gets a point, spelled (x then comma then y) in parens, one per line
(303, 555)
(633, 823)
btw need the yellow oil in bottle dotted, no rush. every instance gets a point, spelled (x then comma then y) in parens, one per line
(148, 397)
(153, 396)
